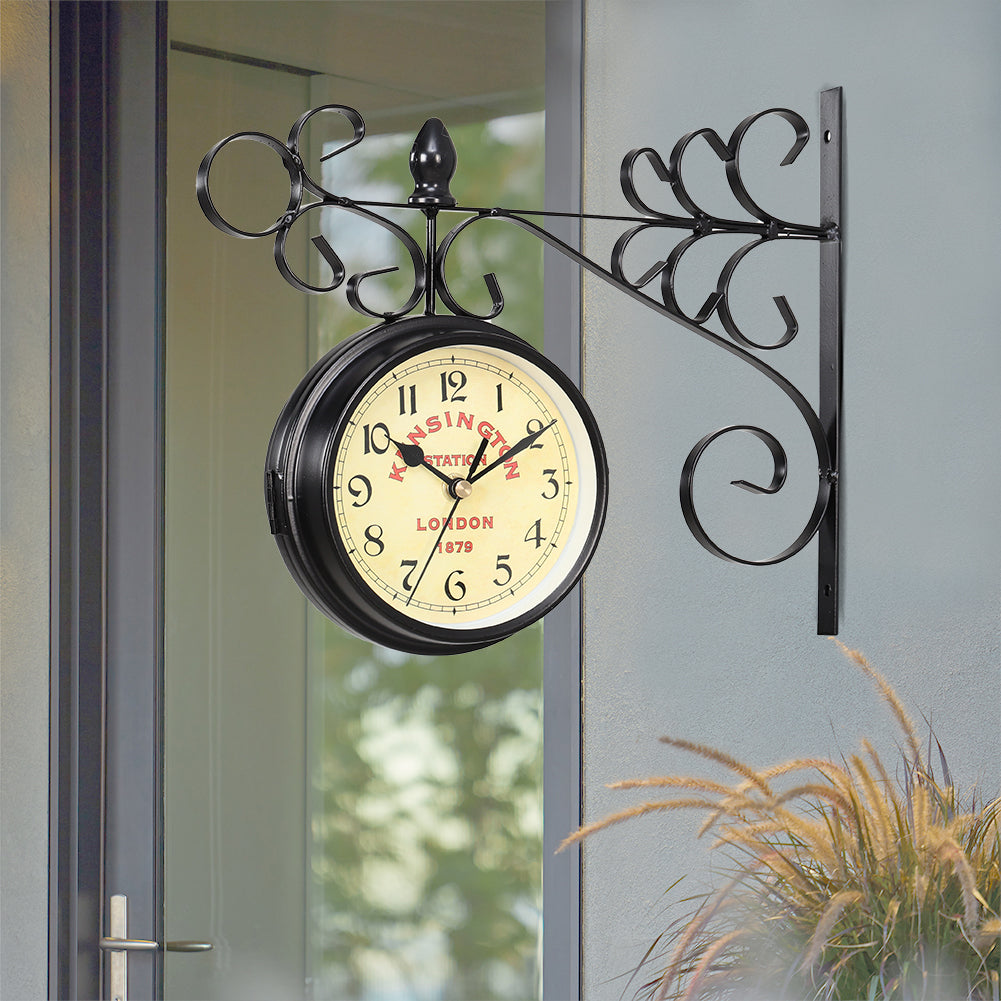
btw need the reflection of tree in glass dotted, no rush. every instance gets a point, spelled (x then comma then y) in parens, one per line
(427, 832)
(426, 793)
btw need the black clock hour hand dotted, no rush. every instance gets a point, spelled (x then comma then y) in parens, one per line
(512, 451)
(413, 455)
(459, 494)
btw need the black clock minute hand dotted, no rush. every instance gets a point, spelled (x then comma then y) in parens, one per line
(460, 489)
(413, 455)
(512, 451)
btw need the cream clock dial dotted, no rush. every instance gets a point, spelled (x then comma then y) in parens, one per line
(435, 484)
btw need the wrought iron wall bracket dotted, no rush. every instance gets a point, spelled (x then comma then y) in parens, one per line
(433, 162)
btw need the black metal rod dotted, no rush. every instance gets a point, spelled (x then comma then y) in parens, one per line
(707, 223)
(430, 245)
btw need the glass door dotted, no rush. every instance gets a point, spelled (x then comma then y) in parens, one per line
(341, 820)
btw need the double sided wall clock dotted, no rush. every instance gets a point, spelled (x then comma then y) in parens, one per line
(434, 483)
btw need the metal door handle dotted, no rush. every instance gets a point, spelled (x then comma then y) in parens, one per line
(147, 945)
(128, 944)
(119, 945)
(187, 946)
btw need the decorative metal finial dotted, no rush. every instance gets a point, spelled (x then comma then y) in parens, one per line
(432, 163)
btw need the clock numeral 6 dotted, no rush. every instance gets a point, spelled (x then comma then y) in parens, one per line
(374, 544)
(503, 566)
(357, 486)
(460, 588)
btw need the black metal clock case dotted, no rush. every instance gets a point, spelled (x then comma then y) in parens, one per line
(299, 480)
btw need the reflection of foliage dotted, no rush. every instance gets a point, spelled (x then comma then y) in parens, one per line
(428, 818)
(848, 885)
(426, 802)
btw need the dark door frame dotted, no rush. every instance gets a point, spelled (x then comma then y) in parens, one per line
(108, 141)
(108, 102)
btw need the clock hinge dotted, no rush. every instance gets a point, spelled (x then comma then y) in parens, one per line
(275, 501)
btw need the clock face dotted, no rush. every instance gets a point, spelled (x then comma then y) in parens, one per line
(404, 456)
(435, 484)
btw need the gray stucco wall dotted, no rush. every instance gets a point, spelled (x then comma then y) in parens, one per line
(24, 492)
(680, 643)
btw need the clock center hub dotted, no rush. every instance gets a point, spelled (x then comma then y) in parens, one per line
(460, 489)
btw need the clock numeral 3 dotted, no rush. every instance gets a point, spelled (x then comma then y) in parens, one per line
(550, 473)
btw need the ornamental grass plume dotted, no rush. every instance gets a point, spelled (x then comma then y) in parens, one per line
(845, 884)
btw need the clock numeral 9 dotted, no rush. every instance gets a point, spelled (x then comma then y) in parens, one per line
(363, 487)
(371, 445)
(458, 585)
(454, 381)
(374, 544)
(550, 473)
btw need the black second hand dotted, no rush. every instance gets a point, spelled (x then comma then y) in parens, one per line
(434, 548)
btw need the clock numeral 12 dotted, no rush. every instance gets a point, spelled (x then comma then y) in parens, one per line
(453, 381)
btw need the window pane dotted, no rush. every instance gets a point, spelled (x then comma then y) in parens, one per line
(343, 821)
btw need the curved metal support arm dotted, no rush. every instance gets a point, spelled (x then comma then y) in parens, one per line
(801, 402)
(432, 163)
